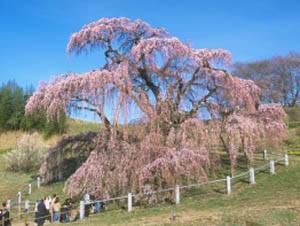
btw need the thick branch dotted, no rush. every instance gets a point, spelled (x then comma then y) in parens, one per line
(105, 121)
(199, 103)
(224, 143)
(78, 99)
(147, 79)
(85, 108)
(120, 57)
(182, 92)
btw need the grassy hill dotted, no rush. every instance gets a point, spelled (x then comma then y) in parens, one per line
(8, 140)
(273, 200)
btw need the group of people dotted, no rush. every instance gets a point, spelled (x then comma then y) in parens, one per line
(4, 215)
(91, 205)
(49, 208)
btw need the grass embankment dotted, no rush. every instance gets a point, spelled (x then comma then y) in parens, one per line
(273, 200)
(11, 183)
(75, 126)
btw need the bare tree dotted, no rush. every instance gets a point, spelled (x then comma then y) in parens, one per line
(278, 77)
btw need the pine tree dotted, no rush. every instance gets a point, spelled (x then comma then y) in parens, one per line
(6, 108)
(18, 109)
(12, 107)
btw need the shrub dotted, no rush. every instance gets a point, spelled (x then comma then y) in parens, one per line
(28, 156)
(3, 151)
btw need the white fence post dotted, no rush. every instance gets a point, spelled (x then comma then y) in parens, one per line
(265, 155)
(252, 176)
(286, 158)
(19, 203)
(8, 204)
(177, 194)
(228, 185)
(129, 202)
(29, 189)
(81, 213)
(19, 197)
(38, 182)
(272, 167)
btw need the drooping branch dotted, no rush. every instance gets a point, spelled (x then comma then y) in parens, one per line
(117, 113)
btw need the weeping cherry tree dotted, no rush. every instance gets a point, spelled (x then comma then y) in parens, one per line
(187, 103)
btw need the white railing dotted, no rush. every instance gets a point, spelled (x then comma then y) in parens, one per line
(228, 179)
(251, 172)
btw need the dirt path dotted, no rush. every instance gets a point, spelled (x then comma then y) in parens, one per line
(22, 223)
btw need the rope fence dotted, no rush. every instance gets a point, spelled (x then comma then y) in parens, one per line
(83, 204)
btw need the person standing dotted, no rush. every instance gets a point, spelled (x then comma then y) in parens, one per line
(47, 203)
(36, 212)
(86, 198)
(41, 213)
(65, 211)
(56, 209)
(5, 214)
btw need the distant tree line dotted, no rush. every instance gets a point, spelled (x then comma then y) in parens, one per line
(13, 99)
(278, 77)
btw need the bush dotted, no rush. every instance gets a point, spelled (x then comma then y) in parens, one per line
(2, 151)
(28, 156)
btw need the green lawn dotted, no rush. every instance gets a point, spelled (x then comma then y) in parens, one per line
(273, 200)
(11, 183)
(75, 126)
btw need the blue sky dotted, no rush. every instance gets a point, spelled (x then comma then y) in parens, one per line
(34, 33)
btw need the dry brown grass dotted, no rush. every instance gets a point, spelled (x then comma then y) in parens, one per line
(9, 140)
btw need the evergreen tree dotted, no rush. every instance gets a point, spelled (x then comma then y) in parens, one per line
(18, 109)
(6, 108)
(12, 107)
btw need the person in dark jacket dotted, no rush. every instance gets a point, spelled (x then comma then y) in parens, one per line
(65, 211)
(36, 211)
(1, 216)
(41, 213)
(5, 214)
